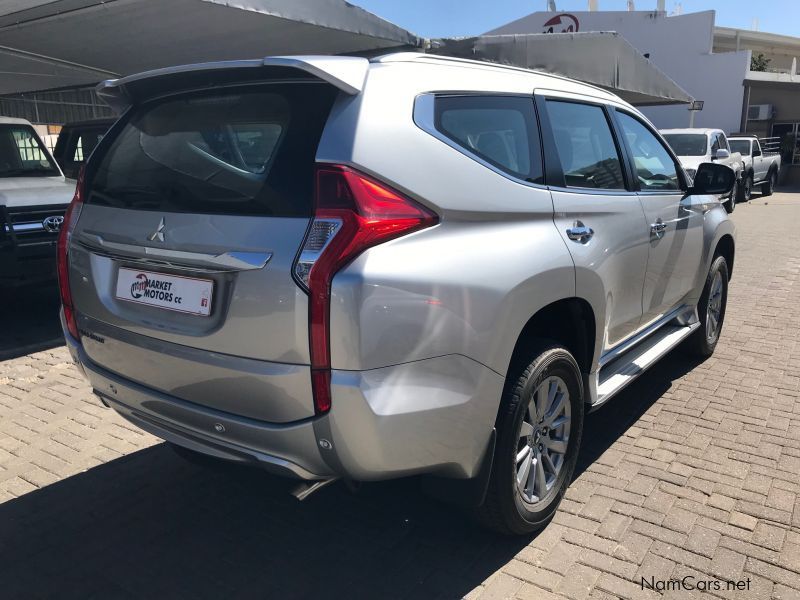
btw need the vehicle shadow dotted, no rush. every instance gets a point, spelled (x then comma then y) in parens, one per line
(29, 320)
(603, 427)
(150, 525)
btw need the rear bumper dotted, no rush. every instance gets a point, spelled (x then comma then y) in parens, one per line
(430, 416)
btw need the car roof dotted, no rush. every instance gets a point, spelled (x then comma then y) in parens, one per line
(552, 80)
(13, 121)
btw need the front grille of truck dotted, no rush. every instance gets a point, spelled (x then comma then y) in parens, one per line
(24, 230)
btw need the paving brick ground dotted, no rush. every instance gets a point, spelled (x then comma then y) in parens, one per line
(692, 472)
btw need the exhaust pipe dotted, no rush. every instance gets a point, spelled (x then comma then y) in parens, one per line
(306, 488)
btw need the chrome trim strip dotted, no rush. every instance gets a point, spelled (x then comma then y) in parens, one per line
(24, 227)
(228, 261)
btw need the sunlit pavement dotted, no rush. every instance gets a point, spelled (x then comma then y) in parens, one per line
(694, 470)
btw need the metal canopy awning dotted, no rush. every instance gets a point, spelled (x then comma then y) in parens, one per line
(50, 44)
(604, 59)
(80, 42)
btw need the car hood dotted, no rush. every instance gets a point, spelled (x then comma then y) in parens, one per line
(17, 192)
(692, 162)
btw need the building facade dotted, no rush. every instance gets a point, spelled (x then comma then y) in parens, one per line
(681, 46)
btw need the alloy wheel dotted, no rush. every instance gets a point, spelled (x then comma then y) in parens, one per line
(714, 309)
(543, 440)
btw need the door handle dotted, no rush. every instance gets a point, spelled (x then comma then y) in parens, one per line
(658, 229)
(580, 233)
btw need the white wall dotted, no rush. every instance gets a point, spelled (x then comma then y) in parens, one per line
(680, 46)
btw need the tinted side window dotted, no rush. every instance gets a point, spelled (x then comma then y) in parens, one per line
(585, 146)
(498, 129)
(723, 142)
(655, 168)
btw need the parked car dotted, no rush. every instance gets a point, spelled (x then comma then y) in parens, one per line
(697, 146)
(76, 142)
(33, 198)
(336, 267)
(761, 168)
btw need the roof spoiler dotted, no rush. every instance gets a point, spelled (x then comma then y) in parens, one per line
(347, 73)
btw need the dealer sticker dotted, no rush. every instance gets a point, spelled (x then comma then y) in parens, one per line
(172, 292)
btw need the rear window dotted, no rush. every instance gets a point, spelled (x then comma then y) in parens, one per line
(687, 144)
(242, 152)
(740, 146)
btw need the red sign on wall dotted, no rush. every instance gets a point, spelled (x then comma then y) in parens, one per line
(563, 23)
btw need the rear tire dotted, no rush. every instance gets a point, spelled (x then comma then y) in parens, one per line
(535, 455)
(768, 187)
(711, 310)
(746, 189)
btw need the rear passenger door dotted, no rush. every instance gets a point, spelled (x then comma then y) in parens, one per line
(597, 214)
(675, 220)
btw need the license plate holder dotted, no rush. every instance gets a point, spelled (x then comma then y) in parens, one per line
(177, 293)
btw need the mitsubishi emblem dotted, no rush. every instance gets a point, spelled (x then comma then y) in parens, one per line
(158, 234)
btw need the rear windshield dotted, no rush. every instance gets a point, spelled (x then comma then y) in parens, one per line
(740, 146)
(687, 144)
(242, 152)
(22, 154)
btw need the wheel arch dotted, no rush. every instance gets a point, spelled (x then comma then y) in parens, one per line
(726, 246)
(578, 336)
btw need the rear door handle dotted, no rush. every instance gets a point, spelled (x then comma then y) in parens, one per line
(580, 233)
(658, 228)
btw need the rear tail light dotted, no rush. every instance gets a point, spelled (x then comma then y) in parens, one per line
(62, 255)
(353, 212)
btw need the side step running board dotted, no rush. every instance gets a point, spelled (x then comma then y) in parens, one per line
(617, 374)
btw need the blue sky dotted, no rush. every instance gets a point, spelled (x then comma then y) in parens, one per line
(447, 18)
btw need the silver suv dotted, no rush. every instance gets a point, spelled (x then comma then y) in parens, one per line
(336, 267)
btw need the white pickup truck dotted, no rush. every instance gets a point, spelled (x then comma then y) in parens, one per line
(760, 167)
(33, 198)
(697, 146)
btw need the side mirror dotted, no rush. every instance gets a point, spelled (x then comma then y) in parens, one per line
(713, 179)
(722, 154)
(756, 152)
